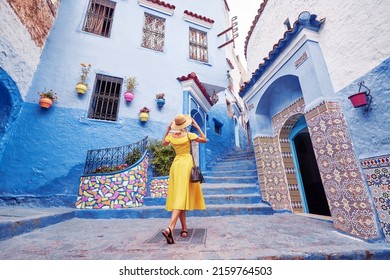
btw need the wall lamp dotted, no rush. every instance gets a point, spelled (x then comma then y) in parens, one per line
(361, 98)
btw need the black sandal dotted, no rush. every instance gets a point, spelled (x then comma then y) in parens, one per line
(184, 232)
(168, 236)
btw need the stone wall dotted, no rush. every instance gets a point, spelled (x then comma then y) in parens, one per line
(38, 25)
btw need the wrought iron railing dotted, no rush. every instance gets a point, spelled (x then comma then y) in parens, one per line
(114, 159)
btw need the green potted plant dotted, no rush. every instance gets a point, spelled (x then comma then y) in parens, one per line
(144, 114)
(82, 86)
(131, 83)
(47, 98)
(160, 98)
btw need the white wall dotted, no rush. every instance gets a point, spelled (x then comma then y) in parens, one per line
(19, 55)
(354, 38)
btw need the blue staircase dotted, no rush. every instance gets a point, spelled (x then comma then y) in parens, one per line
(231, 188)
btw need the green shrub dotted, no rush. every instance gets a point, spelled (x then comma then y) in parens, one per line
(162, 157)
(133, 156)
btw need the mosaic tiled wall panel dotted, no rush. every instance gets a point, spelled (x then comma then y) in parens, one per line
(159, 187)
(282, 124)
(121, 190)
(351, 208)
(273, 182)
(377, 171)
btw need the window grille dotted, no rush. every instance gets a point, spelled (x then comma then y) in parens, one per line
(154, 33)
(99, 17)
(198, 45)
(105, 98)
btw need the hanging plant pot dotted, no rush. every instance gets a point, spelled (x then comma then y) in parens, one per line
(45, 102)
(129, 96)
(160, 102)
(81, 88)
(359, 99)
(143, 116)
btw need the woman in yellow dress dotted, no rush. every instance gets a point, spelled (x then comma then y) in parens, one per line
(182, 194)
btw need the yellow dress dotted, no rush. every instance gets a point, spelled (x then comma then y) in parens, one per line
(182, 194)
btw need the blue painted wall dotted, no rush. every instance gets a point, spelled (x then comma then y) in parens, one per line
(44, 155)
(370, 131)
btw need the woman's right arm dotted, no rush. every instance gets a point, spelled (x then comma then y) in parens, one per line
(164, 141)
(201, 137)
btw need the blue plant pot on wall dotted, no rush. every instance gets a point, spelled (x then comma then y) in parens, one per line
(160, 102)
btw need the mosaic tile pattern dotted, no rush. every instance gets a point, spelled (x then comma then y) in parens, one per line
(276, 170)
(159, 187)
(348, 198)
(377, 170)
(121, 190)
(272, 178)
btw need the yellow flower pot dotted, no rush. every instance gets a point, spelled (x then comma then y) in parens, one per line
(45, 102)
(143, 116)
(81, 88)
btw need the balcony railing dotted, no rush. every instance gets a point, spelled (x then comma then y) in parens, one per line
(109, 160)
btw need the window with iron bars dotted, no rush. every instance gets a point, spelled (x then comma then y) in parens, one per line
(198, 45)
(154, 33)
(105, 98)
(99, 17)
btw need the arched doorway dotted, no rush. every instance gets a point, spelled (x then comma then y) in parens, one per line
(236, 133)
(306, 169)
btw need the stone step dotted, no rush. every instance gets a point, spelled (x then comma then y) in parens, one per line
(231, 179)
(261, 208)
(213, 199)
(227, 173)
(237, 157)
(242, 164)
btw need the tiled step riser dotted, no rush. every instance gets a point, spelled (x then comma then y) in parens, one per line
(232, 180)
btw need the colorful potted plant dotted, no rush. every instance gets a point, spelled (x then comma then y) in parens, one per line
(47, 98)
(358, 99)
(160, 98)
(82, 86)
(144, 114)
(131, 83)
(361, 98)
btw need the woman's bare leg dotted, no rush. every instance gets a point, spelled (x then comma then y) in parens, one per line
(183, 222)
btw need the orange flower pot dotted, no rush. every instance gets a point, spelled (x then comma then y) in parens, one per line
(45, 102)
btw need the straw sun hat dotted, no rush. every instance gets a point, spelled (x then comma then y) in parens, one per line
(181, 121)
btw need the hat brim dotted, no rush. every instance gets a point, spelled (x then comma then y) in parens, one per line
(187, 122)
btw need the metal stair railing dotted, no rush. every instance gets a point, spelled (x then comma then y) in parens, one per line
(108, 160)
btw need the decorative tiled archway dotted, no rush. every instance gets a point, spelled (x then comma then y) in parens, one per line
(351, 209)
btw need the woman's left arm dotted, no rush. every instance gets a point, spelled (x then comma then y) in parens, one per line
(201, 137)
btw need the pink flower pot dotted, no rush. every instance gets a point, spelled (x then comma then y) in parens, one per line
(129, 96)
